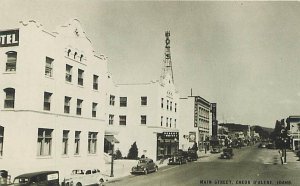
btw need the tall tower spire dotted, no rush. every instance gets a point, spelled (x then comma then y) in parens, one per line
(167, 62)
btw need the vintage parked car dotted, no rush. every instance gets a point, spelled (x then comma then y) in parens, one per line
(49, 178)
(145, 165)
(179, 157)
(80, 177)
(227, 153)
(216, 149)
(192, 155)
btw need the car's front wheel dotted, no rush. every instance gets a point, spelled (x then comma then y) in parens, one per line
(145, 171)
(78, 184)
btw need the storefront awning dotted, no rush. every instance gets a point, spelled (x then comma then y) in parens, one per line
(111, 139)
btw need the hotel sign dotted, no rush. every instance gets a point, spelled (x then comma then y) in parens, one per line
(9, 38)
(196, 114)
(214, 119)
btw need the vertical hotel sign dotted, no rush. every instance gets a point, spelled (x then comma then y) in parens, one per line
(214, 119)
(196, 113)
(9, 38)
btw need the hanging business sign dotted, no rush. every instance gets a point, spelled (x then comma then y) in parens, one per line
(196, 114)
(9, 38)
(214, 119)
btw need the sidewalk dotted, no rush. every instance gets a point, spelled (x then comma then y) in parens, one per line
(122, 168)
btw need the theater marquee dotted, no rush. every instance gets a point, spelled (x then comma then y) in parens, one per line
(9, 38)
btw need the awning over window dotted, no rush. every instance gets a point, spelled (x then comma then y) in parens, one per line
(111, 139)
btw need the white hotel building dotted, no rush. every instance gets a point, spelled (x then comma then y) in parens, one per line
(195, 122)
(146, 113)
(52, 115)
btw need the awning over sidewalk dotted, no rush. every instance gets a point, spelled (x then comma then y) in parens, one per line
(111, 139)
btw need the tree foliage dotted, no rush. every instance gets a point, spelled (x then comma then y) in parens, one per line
(133, 152)
(118, 154)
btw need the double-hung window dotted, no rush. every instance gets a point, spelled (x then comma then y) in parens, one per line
(111, 119)
(143, 119)
(9, 101)
(77, 142)
(79, 107)
(80, 77)
(11, 62)
(112, 100)
(47, 100)
(144, 100)
(94, 109)
(122, 120)
(95, 82)
(67, 105)
(1, 140)
(92, 142)
(65, 141)
(123, 101)
(69, 73)
(44, 142)
(49, 67)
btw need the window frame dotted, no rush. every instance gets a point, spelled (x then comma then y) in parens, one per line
(10, 96)
(79, 107)
(95, 82)
(68, 76)
(122, 120)
(45, 138)
(47, 101)
(77, 143)
(144, 101)
(111, 119)
(94, 109)
(49, 67)
(112, 100)
(80, 77)
(11, 61)
(143, 119)
(67, 103)
(123, 101)
(92, 142)
(65, 141)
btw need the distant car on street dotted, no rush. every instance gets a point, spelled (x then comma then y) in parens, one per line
(49, 178)
(227, 153)
(145, 165)
(179, 157)
(216, 149)
(192, 155)
(262, 145)
(80, 177)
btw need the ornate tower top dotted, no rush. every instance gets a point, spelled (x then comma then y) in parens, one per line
(167, 63)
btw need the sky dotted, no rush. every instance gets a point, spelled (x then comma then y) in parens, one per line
(244, 56)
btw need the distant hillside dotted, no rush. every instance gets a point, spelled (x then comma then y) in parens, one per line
(264, 132)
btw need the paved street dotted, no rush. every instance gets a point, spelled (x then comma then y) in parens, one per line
(249, 166)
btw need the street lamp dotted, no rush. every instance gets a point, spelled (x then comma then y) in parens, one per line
(112, 159)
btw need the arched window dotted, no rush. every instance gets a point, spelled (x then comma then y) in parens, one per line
(75, 54)
(69, 51)
(9, 101)
(81, 56)
(11, 62)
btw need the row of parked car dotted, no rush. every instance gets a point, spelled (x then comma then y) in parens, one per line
(181, 157)
(78, 177)
(147, 165)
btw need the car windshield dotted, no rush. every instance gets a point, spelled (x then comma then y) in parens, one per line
(21, 180)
